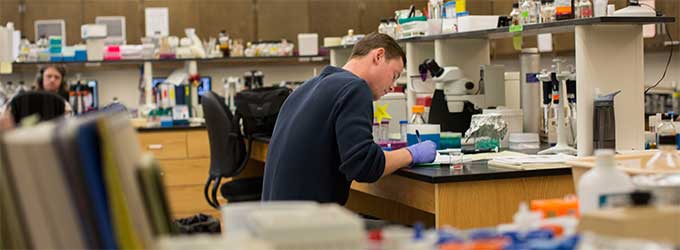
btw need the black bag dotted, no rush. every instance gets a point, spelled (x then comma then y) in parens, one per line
(259, 109)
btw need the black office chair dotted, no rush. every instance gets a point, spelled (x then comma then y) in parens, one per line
(227, 154)
(46, 105)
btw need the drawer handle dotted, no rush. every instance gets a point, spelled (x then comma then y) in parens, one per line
(155, 146)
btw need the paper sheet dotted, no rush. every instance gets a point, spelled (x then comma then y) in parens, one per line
(156, 20)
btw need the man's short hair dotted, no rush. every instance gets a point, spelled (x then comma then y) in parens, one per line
(376, 40)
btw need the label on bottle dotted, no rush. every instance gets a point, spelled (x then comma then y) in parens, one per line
(667, 140)
(516, 28)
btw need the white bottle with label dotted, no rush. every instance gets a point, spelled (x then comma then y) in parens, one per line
(605, 178)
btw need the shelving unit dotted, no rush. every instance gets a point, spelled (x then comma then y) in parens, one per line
(173, 63)
(609, 56)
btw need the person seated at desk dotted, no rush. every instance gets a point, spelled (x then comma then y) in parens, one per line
(322, 140)
(51, 79)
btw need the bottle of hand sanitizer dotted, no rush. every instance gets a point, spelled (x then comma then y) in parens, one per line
(604, 179)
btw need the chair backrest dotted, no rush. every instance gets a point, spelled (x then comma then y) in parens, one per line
(47, 105)
(227, 145)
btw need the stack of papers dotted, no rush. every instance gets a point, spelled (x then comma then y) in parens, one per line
(530, 162)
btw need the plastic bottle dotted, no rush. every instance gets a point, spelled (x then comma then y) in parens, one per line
(515, 14)
(605, 178)
(402, 129)
(382, 28)
(563, 9)
(376, 131)
(667, 157)
(547, 11)
(417, 117)
(585, 9)
(385, 130)
(526, 8)
(600, 8)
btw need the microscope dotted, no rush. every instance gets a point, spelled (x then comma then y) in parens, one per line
(457, 98)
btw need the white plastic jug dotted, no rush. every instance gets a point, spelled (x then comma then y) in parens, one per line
(605, 178)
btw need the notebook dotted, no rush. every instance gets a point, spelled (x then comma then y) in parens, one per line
(150, 179)
(12, 230)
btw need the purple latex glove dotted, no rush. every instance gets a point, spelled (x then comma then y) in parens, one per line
(423, 152)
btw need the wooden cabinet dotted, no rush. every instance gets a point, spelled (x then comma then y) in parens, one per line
(184, 157)
(668, 8)
(130, 9)
(236, 17)
(165, 145)
(71, 11)
(9, 12)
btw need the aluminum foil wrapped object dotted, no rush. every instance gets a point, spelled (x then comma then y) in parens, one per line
(487, 125)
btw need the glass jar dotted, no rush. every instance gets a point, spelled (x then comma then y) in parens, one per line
(667, 157)
(385, 130)
(417, 117)
(547, 11)
(515, 14)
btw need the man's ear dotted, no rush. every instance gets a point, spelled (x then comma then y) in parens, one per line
(379, 55)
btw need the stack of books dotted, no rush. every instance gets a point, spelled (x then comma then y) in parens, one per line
(80, 184)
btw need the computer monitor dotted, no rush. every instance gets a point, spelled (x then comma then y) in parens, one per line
(53, 27)
(115, 28)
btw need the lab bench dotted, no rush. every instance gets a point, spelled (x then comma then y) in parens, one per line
(183, 153)
(478, 195)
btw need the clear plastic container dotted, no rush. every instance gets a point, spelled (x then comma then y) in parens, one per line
(376, 131)
(585, 8)
(385, 130)
(515, 14)
(417, 117)
(667, 158)
(402, 129)
(547, 11)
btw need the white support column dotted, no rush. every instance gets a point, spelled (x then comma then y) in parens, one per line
(339, 56)
(467, 54)
(609, 58)
(416, 53)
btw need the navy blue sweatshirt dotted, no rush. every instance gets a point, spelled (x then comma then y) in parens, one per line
(322, 141)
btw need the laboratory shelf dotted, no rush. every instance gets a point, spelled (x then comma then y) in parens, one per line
(200, 60)
(345, 46)
(216, 62)
(562, 26)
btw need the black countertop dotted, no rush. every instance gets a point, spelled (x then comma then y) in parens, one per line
(173, 128)
(471, 171)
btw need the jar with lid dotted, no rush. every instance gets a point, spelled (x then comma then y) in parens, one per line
(515, 14)
(585, 9)
(382, 28)
(417, 117)
(666, 159)
(547, 11)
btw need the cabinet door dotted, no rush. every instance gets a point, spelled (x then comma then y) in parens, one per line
(9, 12)
(334, 17)
(278, 19)
(165, 145)
(668, 8)
(71, 11)
(236, 17)
(183, 14)
(132, 10)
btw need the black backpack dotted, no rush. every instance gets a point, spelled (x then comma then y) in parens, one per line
(259, 108)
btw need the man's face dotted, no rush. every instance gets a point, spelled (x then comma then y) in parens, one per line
(385, 74)
(51, 80)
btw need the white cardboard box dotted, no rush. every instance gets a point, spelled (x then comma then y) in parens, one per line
(308, 44)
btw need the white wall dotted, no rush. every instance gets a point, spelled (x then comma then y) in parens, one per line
(655, 62)
(123, 83)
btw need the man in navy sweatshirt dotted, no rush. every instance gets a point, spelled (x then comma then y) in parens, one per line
(322, 140)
